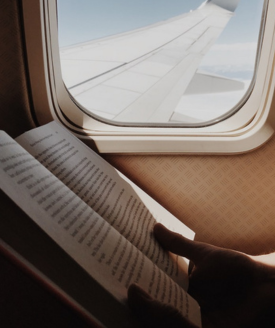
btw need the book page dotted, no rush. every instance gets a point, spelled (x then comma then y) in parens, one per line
(99, 185)
(104, 253)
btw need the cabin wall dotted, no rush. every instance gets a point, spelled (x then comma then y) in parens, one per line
(23, 301)
(15, 107)
(227, 200)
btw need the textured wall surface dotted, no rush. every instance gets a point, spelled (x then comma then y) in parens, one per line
(226, 200)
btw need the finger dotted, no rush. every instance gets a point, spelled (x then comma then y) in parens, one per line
(154, 314)
(180, 245)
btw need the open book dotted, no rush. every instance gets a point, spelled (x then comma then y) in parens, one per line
(98, 217)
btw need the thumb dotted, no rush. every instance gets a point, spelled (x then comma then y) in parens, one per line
(180, 245)
(154, 314)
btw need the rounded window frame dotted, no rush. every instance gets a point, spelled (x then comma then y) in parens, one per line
(246, 130)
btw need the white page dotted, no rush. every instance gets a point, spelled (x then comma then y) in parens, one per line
(101, 187)
(82, 233)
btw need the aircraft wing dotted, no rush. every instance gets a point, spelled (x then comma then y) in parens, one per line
(140, 76)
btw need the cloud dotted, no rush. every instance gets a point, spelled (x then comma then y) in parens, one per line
(232, 55)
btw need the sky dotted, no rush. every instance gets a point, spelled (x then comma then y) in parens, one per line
(235, 51)
(233, 55)
(84, 20)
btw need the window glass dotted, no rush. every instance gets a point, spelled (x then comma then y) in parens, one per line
(159, 61)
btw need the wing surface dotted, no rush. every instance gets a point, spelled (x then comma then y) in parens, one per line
(141, 76)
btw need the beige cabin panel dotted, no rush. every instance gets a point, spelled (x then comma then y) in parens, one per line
(227, 200)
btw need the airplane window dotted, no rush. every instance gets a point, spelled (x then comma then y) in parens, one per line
(188, 63)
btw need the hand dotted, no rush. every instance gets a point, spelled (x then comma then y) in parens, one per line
(234, 290)
(153, 314)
